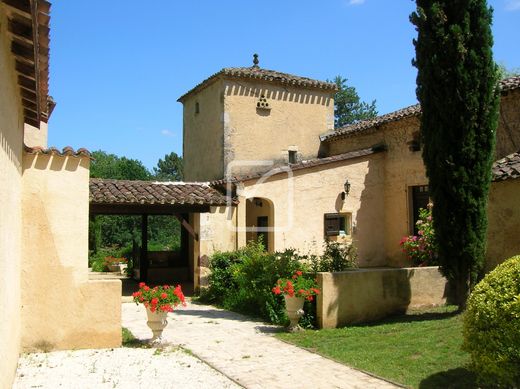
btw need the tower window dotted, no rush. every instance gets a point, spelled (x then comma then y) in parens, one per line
(197, 107)
(293, 156)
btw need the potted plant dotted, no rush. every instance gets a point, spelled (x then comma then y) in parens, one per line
(295, 291)
(158, 301)
(114, 264)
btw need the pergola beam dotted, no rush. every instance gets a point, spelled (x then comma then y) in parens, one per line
(150, 209)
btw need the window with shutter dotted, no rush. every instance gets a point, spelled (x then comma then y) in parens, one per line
(337, 224)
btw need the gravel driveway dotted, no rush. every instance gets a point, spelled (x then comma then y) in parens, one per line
(169, 367)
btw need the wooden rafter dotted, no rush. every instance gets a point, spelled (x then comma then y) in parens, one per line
(28, 27)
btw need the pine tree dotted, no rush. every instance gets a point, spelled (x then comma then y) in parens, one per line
(348, 107)
(457, 89)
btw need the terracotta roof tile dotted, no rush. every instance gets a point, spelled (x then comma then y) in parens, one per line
(257, 73)
(302, 165)
(370, 125)
(103, 191)
(365, 125)
(507, 168)
(510, 83)
(67, 151)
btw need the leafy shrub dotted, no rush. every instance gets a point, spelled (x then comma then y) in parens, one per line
(221, 278)
(242, 280)
(254, 278)
(336, 257)
(492, 326)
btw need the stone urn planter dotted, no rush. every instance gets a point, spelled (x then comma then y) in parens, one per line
(294, 308)
(113, 267)
(157, 321)
(122, 268)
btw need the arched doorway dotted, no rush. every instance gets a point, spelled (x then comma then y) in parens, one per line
(260, 221)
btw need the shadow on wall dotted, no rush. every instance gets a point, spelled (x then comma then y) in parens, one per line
(307, 97)
(57, 164)
(9, 152)
(369, 230)
(365, 295)
(361, 296)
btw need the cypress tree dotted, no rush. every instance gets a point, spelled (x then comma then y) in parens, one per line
(457, 89)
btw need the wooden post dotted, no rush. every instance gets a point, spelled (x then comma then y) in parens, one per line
(143, 263)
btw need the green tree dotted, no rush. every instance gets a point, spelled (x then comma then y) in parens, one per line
(348, 107)
(456, 86)
(505, 72)
(108, 231)
(170, 168)
(111, 166)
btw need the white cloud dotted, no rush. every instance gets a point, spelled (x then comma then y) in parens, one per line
(356, 2)
(512, 5)
(167, 133)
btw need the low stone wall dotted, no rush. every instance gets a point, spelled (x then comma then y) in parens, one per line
(364, 295)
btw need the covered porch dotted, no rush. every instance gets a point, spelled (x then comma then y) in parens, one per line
(183, 201)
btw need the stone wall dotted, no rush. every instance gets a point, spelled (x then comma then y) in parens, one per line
(365, 295)
(61, 307)
(11, 146)
(503, 222)
(508, 131)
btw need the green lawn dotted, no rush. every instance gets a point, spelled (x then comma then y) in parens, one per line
(421, 350)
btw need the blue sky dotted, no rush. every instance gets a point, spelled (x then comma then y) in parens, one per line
(118, 67)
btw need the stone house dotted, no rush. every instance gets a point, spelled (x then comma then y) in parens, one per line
(265, 161)
(267, 138)
(46, 299)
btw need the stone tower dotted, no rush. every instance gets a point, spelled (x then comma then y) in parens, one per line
(242, 120)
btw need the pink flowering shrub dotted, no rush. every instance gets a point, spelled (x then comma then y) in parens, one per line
(421, 249)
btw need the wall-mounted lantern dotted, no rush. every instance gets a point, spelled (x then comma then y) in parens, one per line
(346, 188)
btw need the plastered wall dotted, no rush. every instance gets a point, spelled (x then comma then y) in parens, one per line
(61, 308)
(11, 145)
(294, 121)
(203, 143)
(404, 168)
(228, 126)
(300, 202)
(503, 235)
(216, 232)
(371, 294)
(36, 136)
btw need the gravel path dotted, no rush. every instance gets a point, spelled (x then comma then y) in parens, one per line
(128, 368)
